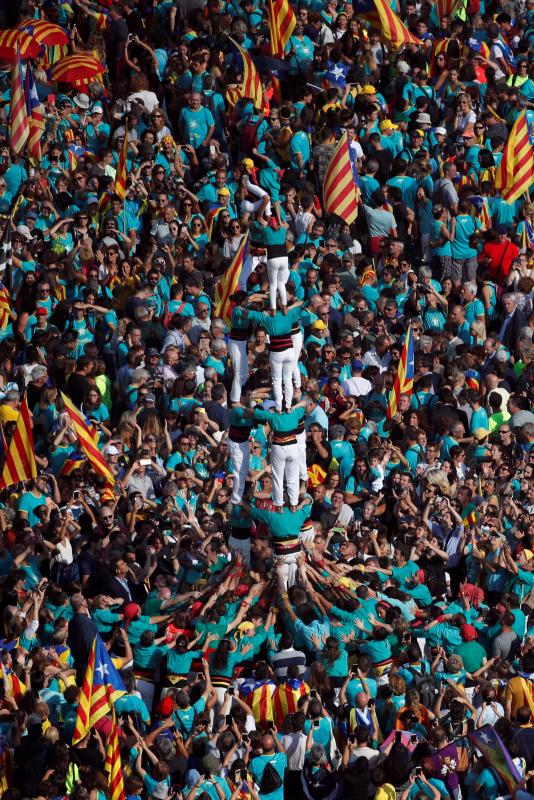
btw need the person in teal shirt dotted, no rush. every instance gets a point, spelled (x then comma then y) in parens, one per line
(196, 122)
(299, 147)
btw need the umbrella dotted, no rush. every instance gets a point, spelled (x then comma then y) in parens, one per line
(77, 70)
(44, 32)
(13, 40)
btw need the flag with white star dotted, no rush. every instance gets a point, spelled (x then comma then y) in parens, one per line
(102, 686)
(337, 74)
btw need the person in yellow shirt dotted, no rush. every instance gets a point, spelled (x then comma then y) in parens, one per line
(10, 408)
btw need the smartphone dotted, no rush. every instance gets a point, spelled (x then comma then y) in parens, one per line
(418, 771)
(231, 691)
(237, 775)
(371, 703)
(245, 737)
(212, 150)
(413, 738)
(398, 736)
(229, 719)
(144, 462)
(200, 676)
(313, 692)
(316, 723)
(207, 775)
(76, 494)
(352, 738)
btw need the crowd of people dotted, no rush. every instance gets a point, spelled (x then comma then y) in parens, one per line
(309, 591)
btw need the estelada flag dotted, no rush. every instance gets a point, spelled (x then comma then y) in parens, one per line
(403, 383)
(102, 686)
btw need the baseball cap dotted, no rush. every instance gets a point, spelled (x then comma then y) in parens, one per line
(387, 123)
(24, 231)
(149, 398)
(40, 312)
(152, 351)
(403, 67)
(501, 228)
(480, 433)
(357, 364)
(440, 130)
(31, 215)
(319, 325)
(368, 89)
(224, 192)
(111, 450)
(248, 163)
(418, 132)
(97, 109)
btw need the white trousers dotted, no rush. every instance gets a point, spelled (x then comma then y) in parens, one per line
(303, 468)
(253, 207)
(282, 374)
(239, 452)
(285, 464)
(297, 340)
(278, 272)
(289, 569)
(238, 354)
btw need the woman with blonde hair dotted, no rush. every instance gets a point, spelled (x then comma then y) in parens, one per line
(437, 477)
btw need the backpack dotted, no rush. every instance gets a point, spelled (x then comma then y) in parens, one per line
(249, 135)
(424, 683)
(270, 780)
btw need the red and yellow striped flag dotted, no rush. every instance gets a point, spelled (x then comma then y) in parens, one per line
(286, 697)
(340, 192)
(122, 168)
(251, 87)
(259, 697)
(515, 173)
(113, 765)
(5, 304)
(87, 441)
(403, 383)
(390, 24)
(102, 686)
(229, 283)
(19, 125)
(36, 117)
(282, 21)
(20, 456)
(446, 8)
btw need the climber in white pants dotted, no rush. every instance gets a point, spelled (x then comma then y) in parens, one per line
(298, 340)
(281, 362)
(239, 450)
(285, 464)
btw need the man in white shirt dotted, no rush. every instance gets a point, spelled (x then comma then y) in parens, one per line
(356, 385)
(380, 356)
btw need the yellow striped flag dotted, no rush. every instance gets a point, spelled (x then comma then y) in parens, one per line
(282, 21)
(87, 441)
(102, 686)
(515, 173)
(250, 87)
(379, 13)
(403, 383)
(5, 303)
(113, 765)
(19, 125)
(340, 190)
(230, 282)
(20, 456)
(122, 168)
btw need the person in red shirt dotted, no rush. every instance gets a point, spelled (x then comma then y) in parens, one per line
(499, 254)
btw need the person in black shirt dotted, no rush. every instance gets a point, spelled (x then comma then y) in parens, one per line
(78, 384)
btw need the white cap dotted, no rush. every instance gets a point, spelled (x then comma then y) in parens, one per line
(441, 130)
